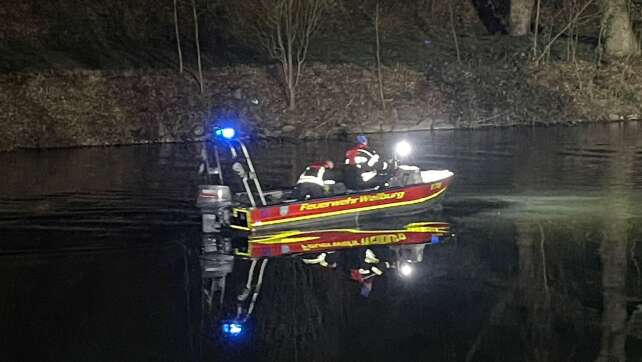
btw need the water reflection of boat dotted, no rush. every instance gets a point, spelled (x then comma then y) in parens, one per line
(408, 189)
(296, 242)
(362, 256)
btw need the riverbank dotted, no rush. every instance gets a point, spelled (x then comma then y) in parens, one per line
(86, 108)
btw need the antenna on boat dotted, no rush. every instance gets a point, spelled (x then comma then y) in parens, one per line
(218, 164)
(238, 167)
(253, 173)
(229, 136)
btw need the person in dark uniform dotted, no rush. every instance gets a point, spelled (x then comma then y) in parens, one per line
(363, 169)
(315, 180)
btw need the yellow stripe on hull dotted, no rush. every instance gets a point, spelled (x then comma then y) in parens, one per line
(343, 212)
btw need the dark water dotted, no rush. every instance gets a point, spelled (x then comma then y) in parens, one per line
(100, 258)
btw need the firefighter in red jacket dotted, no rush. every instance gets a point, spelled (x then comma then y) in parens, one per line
(315, 180)
(363, 167)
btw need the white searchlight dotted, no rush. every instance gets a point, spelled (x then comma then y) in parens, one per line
(405, 270)
(403, 149)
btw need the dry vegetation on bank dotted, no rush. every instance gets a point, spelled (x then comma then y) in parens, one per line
(440, 68)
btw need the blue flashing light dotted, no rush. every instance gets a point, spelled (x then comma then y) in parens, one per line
(232, 329)
(228, 133)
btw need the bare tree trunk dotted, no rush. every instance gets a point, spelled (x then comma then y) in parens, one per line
(432, 9)
(379, 76)
(290, 60)
(452, 26)
(547, 48)
(619, 37)
(569, 39)
(535, 45)
(198, 47)
(178, 38)
(284, 29)
(520, 16)
(291, 92)
(573, 39)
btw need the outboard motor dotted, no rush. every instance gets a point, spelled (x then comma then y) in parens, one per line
(216, 264)
(214, 202)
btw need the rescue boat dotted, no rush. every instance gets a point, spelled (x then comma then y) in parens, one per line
(408, 190)
(426, 191)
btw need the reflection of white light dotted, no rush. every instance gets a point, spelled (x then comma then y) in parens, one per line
(403, 149)
(406, 270)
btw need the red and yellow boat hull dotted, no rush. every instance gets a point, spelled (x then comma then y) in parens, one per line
(251, 219)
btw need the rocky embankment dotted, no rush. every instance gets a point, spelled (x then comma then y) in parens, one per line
(74, 108)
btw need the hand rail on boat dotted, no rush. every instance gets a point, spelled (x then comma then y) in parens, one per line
(227, 135)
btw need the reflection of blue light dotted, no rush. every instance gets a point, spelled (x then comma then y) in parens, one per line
(232, 329)
(228, 133)
(435, 239)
